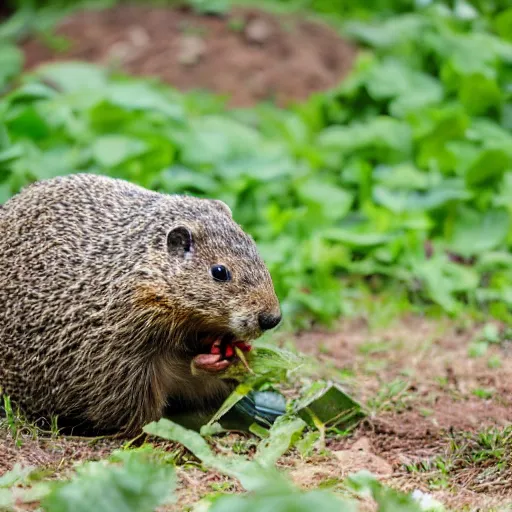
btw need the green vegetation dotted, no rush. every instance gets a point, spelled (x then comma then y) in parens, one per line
(141, 479)
(487, 451)
(398, 183)
(408, 158)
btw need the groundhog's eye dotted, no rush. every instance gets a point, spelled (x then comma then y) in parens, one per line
(220, 273)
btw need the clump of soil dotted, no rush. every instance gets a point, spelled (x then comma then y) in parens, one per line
(249, 55)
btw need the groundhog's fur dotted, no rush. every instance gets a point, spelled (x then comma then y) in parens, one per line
(102, 310)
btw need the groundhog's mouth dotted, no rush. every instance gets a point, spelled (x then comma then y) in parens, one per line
(217, 352)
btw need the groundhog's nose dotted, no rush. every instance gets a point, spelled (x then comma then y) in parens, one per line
(268, 321)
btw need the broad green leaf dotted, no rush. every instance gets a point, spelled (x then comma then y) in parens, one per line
(333, 201)
(250, 473)
(16, 475)
(174, 432)
(409, 89)
(266, 165)
(141, 96)
(10, 154)
(215, 139)
(490, 164)
(327, 404)
(389, 33)
(177, 179)
(113, 150)
(490, 134)
(469, 54)
(475, 232)
(286, 500)
(210, 6)
(399, 201)
(73, 76)
(377, 136)
(28, 122)
(440, 127)
(503, 24)
(137, 485)
(281, 437)
(5, 192)
(479, 93)
(11, 62)
(235, 396)
(402, 176)
(264, 359)
(442, 279)
(387, 499)
(357, 239)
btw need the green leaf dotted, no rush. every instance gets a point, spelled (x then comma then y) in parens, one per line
(283, 500)
(388, 33)
(281, 437)
(235, 396)
(141, 96)
(113, 150)
(333, 201)
(469, 54)
(489, 165)
(210, 6)
(28, 122)
(387, 499)
(442, 279)
(137, 485)
(409, 89)
(11, 62)
(379, 136)
(503, 24)
(16, 475)
(440, 127)
(400, 201)
(251, 474)
(357, 239)
(216, 139)
(402, 176)
(327, 404)
(73, 76)
(475, 232)
(11, 154)
(479, 93)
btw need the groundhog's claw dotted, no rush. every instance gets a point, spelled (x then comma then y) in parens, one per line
(211, 363)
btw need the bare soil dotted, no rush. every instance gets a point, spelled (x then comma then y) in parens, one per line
(249, 55)
(435, 407)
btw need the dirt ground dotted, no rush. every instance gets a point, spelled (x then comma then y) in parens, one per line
(434, 415)
(249, 55)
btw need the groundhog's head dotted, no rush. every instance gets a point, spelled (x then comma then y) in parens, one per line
(210, 280)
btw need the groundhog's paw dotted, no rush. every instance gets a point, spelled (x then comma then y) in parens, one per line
(210, 363)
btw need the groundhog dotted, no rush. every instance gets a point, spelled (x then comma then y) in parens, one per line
(111, 297)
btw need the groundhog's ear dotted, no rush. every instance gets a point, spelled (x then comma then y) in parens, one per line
(222, 206)
(179, 240)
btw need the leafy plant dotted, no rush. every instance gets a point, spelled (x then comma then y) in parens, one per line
(139, 483)
(401, 172)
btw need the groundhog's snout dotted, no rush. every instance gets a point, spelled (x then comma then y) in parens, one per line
(268, 321)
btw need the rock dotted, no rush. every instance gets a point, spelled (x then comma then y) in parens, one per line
(258, 31)
(359, 457)
(191, 51)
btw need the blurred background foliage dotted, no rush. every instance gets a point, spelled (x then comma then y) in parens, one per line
(398, 182)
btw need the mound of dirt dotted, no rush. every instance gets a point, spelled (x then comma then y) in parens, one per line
(248, 54)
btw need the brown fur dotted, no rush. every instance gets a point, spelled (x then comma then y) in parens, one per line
(99, 319)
